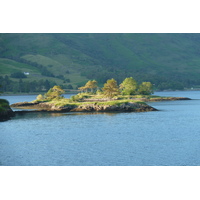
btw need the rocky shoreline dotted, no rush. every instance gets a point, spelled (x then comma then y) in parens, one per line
(165, 99)
(94, 105)
(90, 107)
(143, 99)
(87, 105)
(6, 115)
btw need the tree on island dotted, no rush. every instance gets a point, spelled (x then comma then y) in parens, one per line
(129, 86)
(111, 88)
(53, 93)
(146, 88)
(91, 85)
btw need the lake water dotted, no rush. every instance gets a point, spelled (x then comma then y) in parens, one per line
(168, 137)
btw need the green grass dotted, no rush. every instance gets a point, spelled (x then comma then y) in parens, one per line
(59, 68)
(68, 102)
(119, 102)
(43, 60)
(8, 66)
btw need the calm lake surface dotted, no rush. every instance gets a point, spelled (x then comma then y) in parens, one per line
(168, 137)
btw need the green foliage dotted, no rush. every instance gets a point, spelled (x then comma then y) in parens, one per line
(18, 75)
(39, 97)
(129, 86)
(54, 93)
(10, 85)
(99, 92)
(79, 96)
(75, 98)
(4, 104)
(111, 88)
(90, 85)
(145, 88)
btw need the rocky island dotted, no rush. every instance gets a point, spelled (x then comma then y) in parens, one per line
(94, 105)
(88, 102)
(108, 106)
(108, 99)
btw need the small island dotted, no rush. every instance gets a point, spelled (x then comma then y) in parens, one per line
(127, 97)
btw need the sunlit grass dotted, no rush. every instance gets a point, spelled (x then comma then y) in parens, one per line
(63, 102)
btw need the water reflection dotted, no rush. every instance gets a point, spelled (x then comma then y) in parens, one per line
(31, 112)
(92, 113)
(32, 115)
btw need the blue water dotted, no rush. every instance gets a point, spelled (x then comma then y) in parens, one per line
(169, 137)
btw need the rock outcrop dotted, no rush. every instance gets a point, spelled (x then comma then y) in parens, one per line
(141, 99)
(124, 107)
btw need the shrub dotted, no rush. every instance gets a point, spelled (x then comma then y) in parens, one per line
(40, 97)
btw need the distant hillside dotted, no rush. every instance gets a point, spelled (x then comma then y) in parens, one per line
(169, 61)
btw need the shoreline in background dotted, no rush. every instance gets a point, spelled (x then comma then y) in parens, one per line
(35, 93)
(77, 91)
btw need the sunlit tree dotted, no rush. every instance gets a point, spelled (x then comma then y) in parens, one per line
(145, 88)
(128, 86)
(110, 88)
(54, 92)
(89, 86)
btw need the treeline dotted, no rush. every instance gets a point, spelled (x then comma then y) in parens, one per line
(111, 88)
(160, 83)
(21, 86)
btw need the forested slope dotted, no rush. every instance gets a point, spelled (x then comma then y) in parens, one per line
(169, 61)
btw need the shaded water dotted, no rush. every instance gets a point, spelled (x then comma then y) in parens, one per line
(170, 136)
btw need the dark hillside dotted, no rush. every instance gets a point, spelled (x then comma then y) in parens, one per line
(170, 61)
